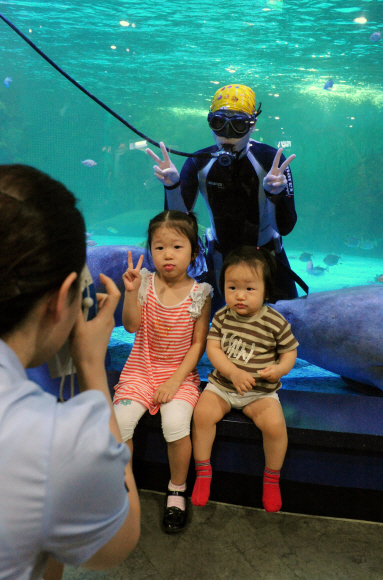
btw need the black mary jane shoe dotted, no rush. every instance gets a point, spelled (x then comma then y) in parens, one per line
(174, 519)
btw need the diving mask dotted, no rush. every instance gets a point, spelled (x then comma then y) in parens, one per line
(227, 124)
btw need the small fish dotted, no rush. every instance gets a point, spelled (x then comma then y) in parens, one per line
(328, 84)
(305, 257)
(352, 241)
(315, 270)
(7, 81)
(375, 36)
(89, 234)
(63, 110)
(89, 163)
(366, 244)
(112, 230)
(91, 243)
(331, 259)
(379, 279)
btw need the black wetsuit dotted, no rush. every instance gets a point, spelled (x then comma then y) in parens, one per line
(240, 210)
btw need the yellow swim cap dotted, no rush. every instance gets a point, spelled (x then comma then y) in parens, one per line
(234, 98)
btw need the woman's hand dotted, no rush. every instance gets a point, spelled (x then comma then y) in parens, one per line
(165, 392)
(165, 170)
(89, 340)
(132, 276)
(275, 181)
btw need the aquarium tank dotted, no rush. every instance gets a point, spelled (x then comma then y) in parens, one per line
(315, 66)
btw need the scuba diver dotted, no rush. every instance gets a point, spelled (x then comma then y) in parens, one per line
(249, 197)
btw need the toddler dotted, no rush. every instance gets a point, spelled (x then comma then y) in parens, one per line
(170, 313)
(251, 347)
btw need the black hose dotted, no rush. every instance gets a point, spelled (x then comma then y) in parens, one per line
(95, 99)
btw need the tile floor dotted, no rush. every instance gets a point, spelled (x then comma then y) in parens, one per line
(234, 543)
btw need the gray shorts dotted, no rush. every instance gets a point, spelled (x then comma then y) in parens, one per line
(237, 401)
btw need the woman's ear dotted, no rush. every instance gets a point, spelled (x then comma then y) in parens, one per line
(60, 297)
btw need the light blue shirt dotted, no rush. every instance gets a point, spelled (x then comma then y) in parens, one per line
(62, 487)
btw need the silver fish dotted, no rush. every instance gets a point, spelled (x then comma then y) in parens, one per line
(315, 271)
(331, 259)
(375, 36)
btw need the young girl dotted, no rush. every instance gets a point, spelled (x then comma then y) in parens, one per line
(170, 313)
(251, 347)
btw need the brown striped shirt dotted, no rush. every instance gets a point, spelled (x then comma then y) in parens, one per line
(251, 343)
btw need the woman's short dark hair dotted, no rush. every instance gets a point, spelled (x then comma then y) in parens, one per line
(252, 257)
(42, 237)
(183, 223)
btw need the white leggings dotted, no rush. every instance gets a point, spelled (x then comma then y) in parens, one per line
(175, 418)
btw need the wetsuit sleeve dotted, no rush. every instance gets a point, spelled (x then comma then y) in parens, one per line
(184, 197)
(285, 215)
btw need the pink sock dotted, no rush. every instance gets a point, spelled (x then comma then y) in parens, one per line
(176, 500)
(201, 490)
(271, 497)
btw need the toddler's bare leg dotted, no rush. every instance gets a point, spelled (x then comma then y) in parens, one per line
(210, 409)
(179, 453)
(268, 416)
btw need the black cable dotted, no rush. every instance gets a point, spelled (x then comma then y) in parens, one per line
(95, 99)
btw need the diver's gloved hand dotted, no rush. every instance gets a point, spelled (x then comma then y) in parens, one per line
(165, 170)
(275, 181)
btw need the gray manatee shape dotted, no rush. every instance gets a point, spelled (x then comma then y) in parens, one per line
(340, 331)
(113, 261)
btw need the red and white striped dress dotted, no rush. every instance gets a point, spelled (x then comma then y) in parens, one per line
(160, 345)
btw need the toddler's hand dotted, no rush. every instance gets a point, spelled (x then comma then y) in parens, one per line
(165, 392)
(272, 374)
(242, 380)
(132, 276)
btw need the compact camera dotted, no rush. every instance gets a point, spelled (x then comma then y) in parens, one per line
(61, 364)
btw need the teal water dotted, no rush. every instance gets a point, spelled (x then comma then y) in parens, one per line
(160, 70)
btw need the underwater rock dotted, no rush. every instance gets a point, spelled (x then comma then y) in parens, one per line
(340, 331)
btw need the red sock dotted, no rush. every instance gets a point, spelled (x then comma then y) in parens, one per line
(201, 490)
(271, 497)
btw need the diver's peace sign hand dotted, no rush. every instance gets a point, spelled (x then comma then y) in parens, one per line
(132, 276)
(165, 170)
(275, 181)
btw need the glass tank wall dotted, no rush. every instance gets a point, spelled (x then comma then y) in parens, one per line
(315, 66)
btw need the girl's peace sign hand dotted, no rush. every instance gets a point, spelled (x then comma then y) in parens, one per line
(132, 276)
(165, 170)
(275, 181)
